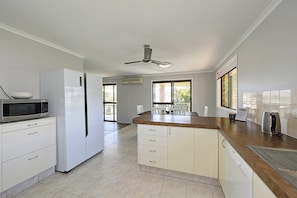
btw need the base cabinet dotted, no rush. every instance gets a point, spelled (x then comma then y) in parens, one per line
(28, 148)
(181, 146)
(182, 149)
(260, 188)
(152, 145)
(206, 152)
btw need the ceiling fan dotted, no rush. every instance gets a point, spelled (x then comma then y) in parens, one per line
(147, 58)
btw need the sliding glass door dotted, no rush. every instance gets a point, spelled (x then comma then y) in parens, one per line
(110, 102)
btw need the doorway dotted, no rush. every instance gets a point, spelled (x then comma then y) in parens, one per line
(110, 102)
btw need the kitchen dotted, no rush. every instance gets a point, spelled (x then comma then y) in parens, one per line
(266, 62)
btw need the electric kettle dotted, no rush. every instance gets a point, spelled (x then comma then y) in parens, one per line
(271, 123)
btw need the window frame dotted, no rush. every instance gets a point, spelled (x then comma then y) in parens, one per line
(230, 90)
(172, 92)
(227, 68)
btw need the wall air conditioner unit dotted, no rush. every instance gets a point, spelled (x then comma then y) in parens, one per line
(132, 81)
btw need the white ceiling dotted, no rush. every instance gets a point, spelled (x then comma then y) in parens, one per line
(194, 35)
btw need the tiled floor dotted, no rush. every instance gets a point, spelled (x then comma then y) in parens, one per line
(114, 173)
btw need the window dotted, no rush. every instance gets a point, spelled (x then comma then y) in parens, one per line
(227, 85)
(172, 93)
(229, 89)
(110, 102)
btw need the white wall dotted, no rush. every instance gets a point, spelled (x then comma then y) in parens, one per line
(129, 96)
(267, 60)
(22, 59)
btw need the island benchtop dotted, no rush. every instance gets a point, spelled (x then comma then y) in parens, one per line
(239, 135)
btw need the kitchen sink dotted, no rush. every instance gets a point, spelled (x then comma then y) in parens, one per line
(284, 161)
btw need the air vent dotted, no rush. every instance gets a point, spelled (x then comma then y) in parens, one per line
(132, 81)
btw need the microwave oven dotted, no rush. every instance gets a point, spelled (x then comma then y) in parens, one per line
(12, 110)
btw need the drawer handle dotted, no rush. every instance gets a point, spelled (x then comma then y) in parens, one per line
(35, 124)
(152, 151)
(153, 161)
(151, 140)
(32, 133)
(32, 158)
(152, 129)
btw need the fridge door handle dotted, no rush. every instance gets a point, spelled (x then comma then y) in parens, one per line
(80, 81)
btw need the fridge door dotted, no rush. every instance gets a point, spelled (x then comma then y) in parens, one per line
(75, 141)
(94, 114)
(65, 93)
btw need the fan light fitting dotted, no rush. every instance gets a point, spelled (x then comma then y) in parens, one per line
(164, 65)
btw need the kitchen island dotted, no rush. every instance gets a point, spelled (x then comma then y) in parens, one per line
(239, 135)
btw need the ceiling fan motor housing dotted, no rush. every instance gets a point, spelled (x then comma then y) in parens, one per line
(147, 54)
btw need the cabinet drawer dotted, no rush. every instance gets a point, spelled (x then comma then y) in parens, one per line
(152, 151)
(18, 143)
(152, 130)
(27, 124)
(22, 168)
(152, 140)
(152, 161)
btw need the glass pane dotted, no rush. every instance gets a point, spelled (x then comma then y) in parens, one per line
(162, 92)
(182, 93)
(109, 103)
(233, 88)
(108, 93)
(225, 91)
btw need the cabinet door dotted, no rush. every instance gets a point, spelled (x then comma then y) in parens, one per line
(27, 166)
(222, 161)
(260, 188)
(206, 152)
(181, 145)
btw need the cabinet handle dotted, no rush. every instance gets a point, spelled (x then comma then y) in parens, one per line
(151, 140)
(152, 130)
(32, 133)
(32, 158)
(35, 124)
(152, 151)
(224, 143)
(153, 161)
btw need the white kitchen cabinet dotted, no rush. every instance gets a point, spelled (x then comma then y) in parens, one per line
(260, 188)
(181, 146)
(222, 161)
(206, 152)
(28, 148)
(152, 145)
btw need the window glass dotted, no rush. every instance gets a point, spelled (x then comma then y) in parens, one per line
(162, 92)
(229, 89)
(182, 93)
(172, 93)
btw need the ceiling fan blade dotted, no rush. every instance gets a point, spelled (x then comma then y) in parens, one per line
(161, 64)
(134, 62)
(156, 62)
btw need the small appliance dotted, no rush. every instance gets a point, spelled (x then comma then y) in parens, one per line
(271, 123)
(12, 110)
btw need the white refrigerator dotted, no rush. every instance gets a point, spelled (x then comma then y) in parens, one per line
(75, 99)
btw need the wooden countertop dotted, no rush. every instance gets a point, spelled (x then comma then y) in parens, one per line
(239, 135)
